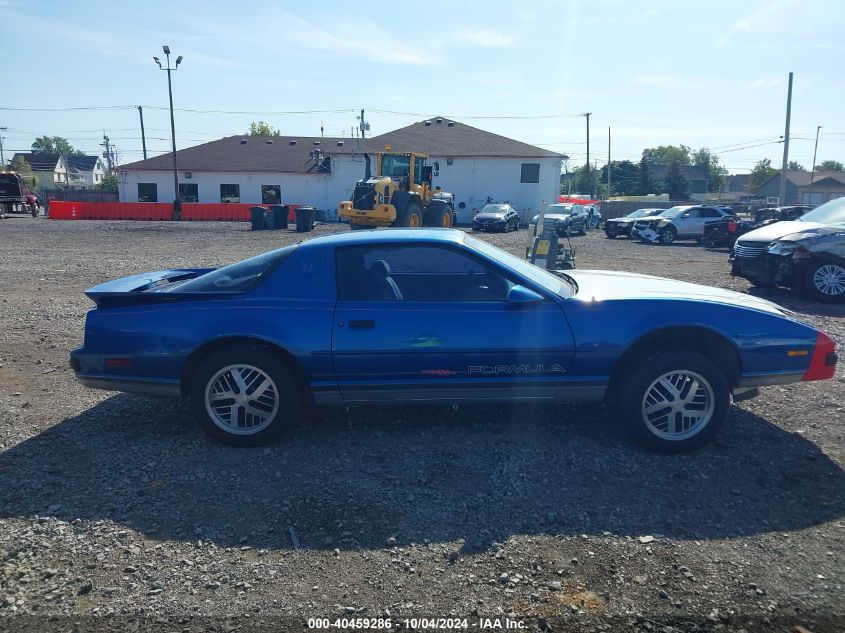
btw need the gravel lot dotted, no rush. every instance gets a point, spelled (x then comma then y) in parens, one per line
(117, 513)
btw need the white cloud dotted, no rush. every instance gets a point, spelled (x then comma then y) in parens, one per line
(666, 82)
(485, 38)
(774, 16)
(768, 82)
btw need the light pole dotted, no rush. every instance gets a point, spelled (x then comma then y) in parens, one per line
(177, 202)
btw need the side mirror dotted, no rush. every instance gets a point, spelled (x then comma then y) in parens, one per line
(521, 295)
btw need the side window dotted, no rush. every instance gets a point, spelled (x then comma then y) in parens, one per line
(147, 192)
(710, 213)
(230, 193)
(416, 273)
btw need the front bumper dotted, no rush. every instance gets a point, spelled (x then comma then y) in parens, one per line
(488, 225)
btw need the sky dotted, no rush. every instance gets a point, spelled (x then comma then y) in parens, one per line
(675, 72)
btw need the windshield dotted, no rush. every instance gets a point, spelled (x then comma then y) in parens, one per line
(495, 208)
(543, 278)
(639, 213)
(238, 277)
(673, 212)
(564, 209)
(832, 212)
(395, 165)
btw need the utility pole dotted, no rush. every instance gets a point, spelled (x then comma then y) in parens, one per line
(608, 162)
(3, 157)
(587, 114)
(364, 126)
(143, 136)
(782, 191)
(107, 154)
(812, 173)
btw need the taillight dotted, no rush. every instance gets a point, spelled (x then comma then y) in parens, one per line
(731, 227)
(823, 363)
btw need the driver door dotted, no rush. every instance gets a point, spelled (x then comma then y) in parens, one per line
(441, 328)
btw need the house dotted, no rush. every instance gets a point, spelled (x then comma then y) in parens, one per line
(804, 187)
(471, 163)
(58, 170)
(51, 170)
(697, 177)
(85, 171)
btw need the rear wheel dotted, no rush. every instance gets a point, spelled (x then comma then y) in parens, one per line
(244, 396)
(411, 216)
(583, 230)
(825, 281)
(674, 401)
(439, 215)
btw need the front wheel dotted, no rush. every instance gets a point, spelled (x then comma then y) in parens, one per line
(674, 401)
(667, 236)
(825, 281)
(244, 396)
(412, 216)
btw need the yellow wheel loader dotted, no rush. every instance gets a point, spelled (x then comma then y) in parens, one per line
(400, 194)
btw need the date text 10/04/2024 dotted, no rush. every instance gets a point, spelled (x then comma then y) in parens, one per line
(416, 623)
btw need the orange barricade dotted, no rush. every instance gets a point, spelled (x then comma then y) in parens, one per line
(221, 212)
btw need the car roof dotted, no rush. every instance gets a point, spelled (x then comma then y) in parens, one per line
(390, 235)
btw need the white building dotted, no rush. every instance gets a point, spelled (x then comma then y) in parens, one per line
(60, 170)
(85, 171)
(473, 164)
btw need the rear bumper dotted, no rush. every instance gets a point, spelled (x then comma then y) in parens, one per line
(139, 386)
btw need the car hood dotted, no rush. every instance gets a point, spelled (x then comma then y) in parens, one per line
(605, 284)
(556, 217)
(772, 232)
(624, 219)
(490, 216)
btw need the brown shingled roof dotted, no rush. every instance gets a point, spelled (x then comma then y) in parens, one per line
(280, 154)
(437, 137)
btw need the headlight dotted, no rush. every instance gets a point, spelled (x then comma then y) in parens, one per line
(781, 248)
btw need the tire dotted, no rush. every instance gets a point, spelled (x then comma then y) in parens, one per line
(359, 227)
(651, 380)
(583, 230)
(611, 235)
(411, 216)
(824, 281)
(279, 402)
(667, 236)
(438, 215)
(33, 210)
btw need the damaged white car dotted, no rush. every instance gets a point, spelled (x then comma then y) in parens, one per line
(806, 254)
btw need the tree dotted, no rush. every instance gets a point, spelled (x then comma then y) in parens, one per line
(645, 183)
(716, 174)
(794, 165)
(677, 184)
(623, 176)
(762, 171)
(54, 145)
(20, 165)
(108, 183)
(260, 128)
(830, 165)
(665, 154)
(586, 181)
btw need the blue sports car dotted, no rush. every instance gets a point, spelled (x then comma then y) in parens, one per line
(433, 315)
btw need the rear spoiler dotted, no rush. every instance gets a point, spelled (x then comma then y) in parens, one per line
(131, 290)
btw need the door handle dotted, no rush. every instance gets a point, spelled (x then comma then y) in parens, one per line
(366, 324)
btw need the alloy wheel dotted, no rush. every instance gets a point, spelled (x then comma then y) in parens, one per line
(829, 280)
(242, 399)
(678, 405)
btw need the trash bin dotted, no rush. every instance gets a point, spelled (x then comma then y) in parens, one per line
(304, 219)
(280, 216)
(269, 220)
(258, 220)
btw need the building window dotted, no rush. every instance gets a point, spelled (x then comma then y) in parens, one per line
(271, 194)
(811, 197)
(230, 193)
(530, 172)
(189, 192)
(147, 192)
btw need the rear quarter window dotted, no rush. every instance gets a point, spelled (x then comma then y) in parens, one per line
(240, 276)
